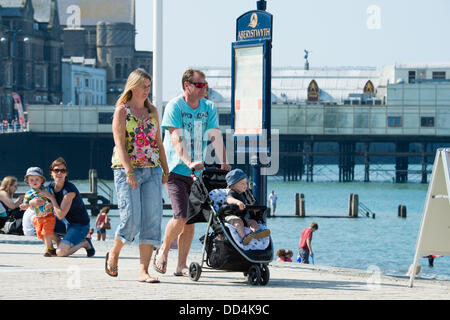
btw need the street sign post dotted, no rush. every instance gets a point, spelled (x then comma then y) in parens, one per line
(251, 66)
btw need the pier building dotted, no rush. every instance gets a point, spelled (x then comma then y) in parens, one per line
(345, 116)
(341, 117)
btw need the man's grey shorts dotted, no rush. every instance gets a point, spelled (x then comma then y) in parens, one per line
(178, 188)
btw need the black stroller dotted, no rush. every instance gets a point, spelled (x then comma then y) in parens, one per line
(222, 252)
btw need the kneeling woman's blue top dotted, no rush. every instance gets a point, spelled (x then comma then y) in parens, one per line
(77, 213)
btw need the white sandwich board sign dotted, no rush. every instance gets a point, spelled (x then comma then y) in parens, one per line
(434, 232)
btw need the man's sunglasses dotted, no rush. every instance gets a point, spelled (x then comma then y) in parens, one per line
(199, 84)
(59, 170)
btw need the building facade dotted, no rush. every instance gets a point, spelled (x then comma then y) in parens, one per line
(107, 36)
(82, 83)
(30, 53)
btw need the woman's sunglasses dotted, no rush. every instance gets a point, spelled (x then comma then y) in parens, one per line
(199, 84)
(59, 170)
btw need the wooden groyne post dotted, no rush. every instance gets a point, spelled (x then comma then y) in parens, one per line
(299, 205)
(402, 211)
(353, 205)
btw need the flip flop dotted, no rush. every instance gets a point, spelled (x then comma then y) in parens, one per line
(183, 273)
(150, 280)
(160, 261)
(109, 269)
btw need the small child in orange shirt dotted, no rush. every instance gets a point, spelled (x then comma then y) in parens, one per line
(45, 220)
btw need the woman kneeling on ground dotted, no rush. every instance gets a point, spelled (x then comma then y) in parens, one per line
(68, 205)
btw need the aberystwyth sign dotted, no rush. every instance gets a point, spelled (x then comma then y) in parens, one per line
(254, 25)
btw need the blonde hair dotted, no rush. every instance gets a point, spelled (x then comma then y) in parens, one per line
(134, 80)
(7, 182)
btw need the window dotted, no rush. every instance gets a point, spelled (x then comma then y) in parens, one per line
(38, 74)
(224, 119)
(44, 78)
(125, 70)
(86, 83)
(394, 121)
(411, 76)
(105, 117)
(118, 68)
(8, 75)
(438, 75)
(427, 122)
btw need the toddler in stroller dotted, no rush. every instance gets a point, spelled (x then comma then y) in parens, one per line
(237, 183)
(222, 245)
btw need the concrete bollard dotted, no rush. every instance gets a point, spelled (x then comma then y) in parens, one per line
(402, 211)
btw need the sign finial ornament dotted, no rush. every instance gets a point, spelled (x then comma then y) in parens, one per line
(253, 20)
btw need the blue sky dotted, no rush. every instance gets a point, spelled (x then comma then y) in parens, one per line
(337, 32)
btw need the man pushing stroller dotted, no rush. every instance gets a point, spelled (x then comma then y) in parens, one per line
(237, 184)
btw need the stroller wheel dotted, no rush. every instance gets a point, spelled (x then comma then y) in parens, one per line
(254, 275)
(265, 275)
(195, 270)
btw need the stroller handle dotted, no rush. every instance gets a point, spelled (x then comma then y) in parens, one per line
(208, 166)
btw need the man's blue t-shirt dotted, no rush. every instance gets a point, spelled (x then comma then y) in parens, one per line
(195, 124)
(77, 213)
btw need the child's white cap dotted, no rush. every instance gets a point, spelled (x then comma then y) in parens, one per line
(34, 171)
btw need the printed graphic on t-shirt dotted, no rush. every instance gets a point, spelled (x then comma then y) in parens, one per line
(193, 126)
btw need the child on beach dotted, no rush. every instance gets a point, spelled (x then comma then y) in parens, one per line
(281, 254)
(237, 184)
(45, 220)
(289, 255)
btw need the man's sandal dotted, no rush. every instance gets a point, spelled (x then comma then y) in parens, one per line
(159, 264)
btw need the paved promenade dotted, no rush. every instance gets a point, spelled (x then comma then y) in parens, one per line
(23, 269)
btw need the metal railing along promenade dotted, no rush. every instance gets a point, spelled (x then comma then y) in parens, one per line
(11, 128)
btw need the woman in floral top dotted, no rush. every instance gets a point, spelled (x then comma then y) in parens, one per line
(140, 167)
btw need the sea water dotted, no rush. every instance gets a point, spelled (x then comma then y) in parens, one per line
(386, 243)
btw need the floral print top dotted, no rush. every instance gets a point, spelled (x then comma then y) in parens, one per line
(140, 143)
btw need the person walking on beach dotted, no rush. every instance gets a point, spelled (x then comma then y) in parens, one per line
(7, 189)
(68, 206)
(273, 202)
(187, 118)
(140, 168)
(102, 223)
(44, 220)
(305, 248)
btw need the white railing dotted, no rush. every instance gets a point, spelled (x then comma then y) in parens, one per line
(10, 128)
